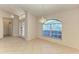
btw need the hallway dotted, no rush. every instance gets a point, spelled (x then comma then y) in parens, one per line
(18, 45)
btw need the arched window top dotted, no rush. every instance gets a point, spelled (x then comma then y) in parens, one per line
(52, 28)
(52, 21)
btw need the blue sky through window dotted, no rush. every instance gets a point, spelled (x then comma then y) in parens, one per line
(53, 27)
(56, 25)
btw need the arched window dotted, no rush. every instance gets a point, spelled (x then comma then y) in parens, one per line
(52, 28)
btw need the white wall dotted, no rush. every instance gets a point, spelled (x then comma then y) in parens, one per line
(31, 27)
(70, 30)
(1, 28)
(4, 14)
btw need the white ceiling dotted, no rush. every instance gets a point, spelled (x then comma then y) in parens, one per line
(36, 9)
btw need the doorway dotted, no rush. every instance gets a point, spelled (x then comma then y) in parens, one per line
(7, 26)
(22, 28)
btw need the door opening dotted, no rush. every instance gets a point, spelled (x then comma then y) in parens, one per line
(7, 26)
(21, 28)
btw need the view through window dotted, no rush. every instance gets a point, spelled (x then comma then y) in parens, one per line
(52, 28)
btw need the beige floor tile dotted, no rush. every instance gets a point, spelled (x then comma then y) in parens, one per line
(19, 45)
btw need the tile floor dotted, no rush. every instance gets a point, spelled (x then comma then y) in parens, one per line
(37, 46)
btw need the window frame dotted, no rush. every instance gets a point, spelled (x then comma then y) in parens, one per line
(51, 30)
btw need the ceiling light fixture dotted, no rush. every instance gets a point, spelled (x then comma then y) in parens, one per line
(22, 17)
(43, 19)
